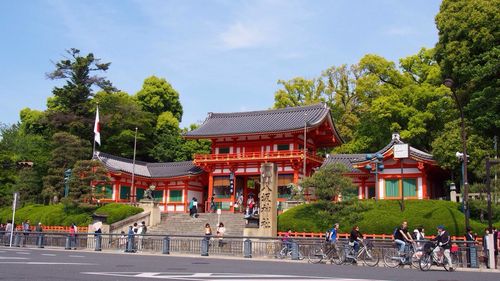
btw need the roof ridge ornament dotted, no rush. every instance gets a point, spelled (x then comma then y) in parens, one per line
(396, 137)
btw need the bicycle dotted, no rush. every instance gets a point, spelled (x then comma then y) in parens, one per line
(411, 256)
(286, 251)
(429, 258)
(367, 253)
(325, 251)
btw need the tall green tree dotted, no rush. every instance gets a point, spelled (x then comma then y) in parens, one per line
(468, 52)
(66, 150)
(158, 96)
(120, 114)
(298, 91)
(69, 109)
(17, 146)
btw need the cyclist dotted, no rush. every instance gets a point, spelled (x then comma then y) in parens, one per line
(333, 234)
(401, 237)
(287, 241)
(444, 244)
(355, 238)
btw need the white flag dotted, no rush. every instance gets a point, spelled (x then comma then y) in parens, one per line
(97, 128)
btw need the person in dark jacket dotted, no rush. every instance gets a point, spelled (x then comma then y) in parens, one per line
(355, 238)
(470, 238)
(443, 244)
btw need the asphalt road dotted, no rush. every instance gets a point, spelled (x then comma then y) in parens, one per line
(49, 264)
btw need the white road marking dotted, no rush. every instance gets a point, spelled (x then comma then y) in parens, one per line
(46, 263)
(23, 253)
(13, 258)
(76, 256)
(219, 276)
(49, 255)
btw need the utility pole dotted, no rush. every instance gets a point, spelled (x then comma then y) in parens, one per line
(450, 84)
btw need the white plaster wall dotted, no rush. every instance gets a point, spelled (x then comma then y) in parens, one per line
(381, 189)
(420, 192)
(196, 194)
(398, 171)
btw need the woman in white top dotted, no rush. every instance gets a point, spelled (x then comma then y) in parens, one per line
(220, 233)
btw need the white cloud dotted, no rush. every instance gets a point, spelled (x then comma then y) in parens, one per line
(240, 35)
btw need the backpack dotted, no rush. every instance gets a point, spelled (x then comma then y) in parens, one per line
(395, 232)
(328, 235)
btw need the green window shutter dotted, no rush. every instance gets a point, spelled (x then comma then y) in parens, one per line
(175, 195)
(158, 194)
(139, 193)
(109, 192)
(410, 187)
(124, 192)
(392, 188)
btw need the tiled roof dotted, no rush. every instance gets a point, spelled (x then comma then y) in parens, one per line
(150, 170)
(346, 159)
(273, 120)
(350, 159)
(413, 151)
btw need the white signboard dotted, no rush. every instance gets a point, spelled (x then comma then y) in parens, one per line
(401, 150)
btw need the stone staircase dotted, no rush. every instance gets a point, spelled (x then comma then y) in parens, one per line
(183, 224)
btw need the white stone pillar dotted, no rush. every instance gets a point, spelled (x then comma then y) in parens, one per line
(381, 188)
(420, 191)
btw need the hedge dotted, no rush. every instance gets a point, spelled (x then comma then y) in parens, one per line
(379, 217)
(60, 215)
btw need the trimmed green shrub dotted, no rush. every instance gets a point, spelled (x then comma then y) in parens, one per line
(376, 217)
(63, 215)
(117, 212)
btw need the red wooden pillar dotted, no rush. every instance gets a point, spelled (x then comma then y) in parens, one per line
(186, 199)
(295, 176)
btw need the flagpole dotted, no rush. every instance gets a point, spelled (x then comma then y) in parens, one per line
(133, 168)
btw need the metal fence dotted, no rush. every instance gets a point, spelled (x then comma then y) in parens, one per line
(249, 247)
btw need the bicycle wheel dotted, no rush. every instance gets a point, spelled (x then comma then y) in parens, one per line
(337, 256)
(301, 256)
(370, 256)
(415, 258)
(454, 262)
(392, 258)
(316, 254)
(283, 253)
(425, 262)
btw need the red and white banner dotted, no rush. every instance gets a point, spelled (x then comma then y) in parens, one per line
(97, 128)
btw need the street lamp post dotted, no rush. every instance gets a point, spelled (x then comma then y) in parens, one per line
(377, 166)
(450, 83)
(305, 146)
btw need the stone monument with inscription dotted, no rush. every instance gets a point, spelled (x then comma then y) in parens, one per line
(268, 220)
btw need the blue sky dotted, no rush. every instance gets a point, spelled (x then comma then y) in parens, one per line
(220, 55)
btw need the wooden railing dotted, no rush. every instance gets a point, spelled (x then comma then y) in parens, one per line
(56, 228)
(267, 155)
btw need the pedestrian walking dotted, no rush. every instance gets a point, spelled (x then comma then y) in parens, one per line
(26, 231)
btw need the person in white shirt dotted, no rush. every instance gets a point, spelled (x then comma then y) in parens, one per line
(220, 234)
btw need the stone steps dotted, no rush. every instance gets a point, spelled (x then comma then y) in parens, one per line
(183, 224)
